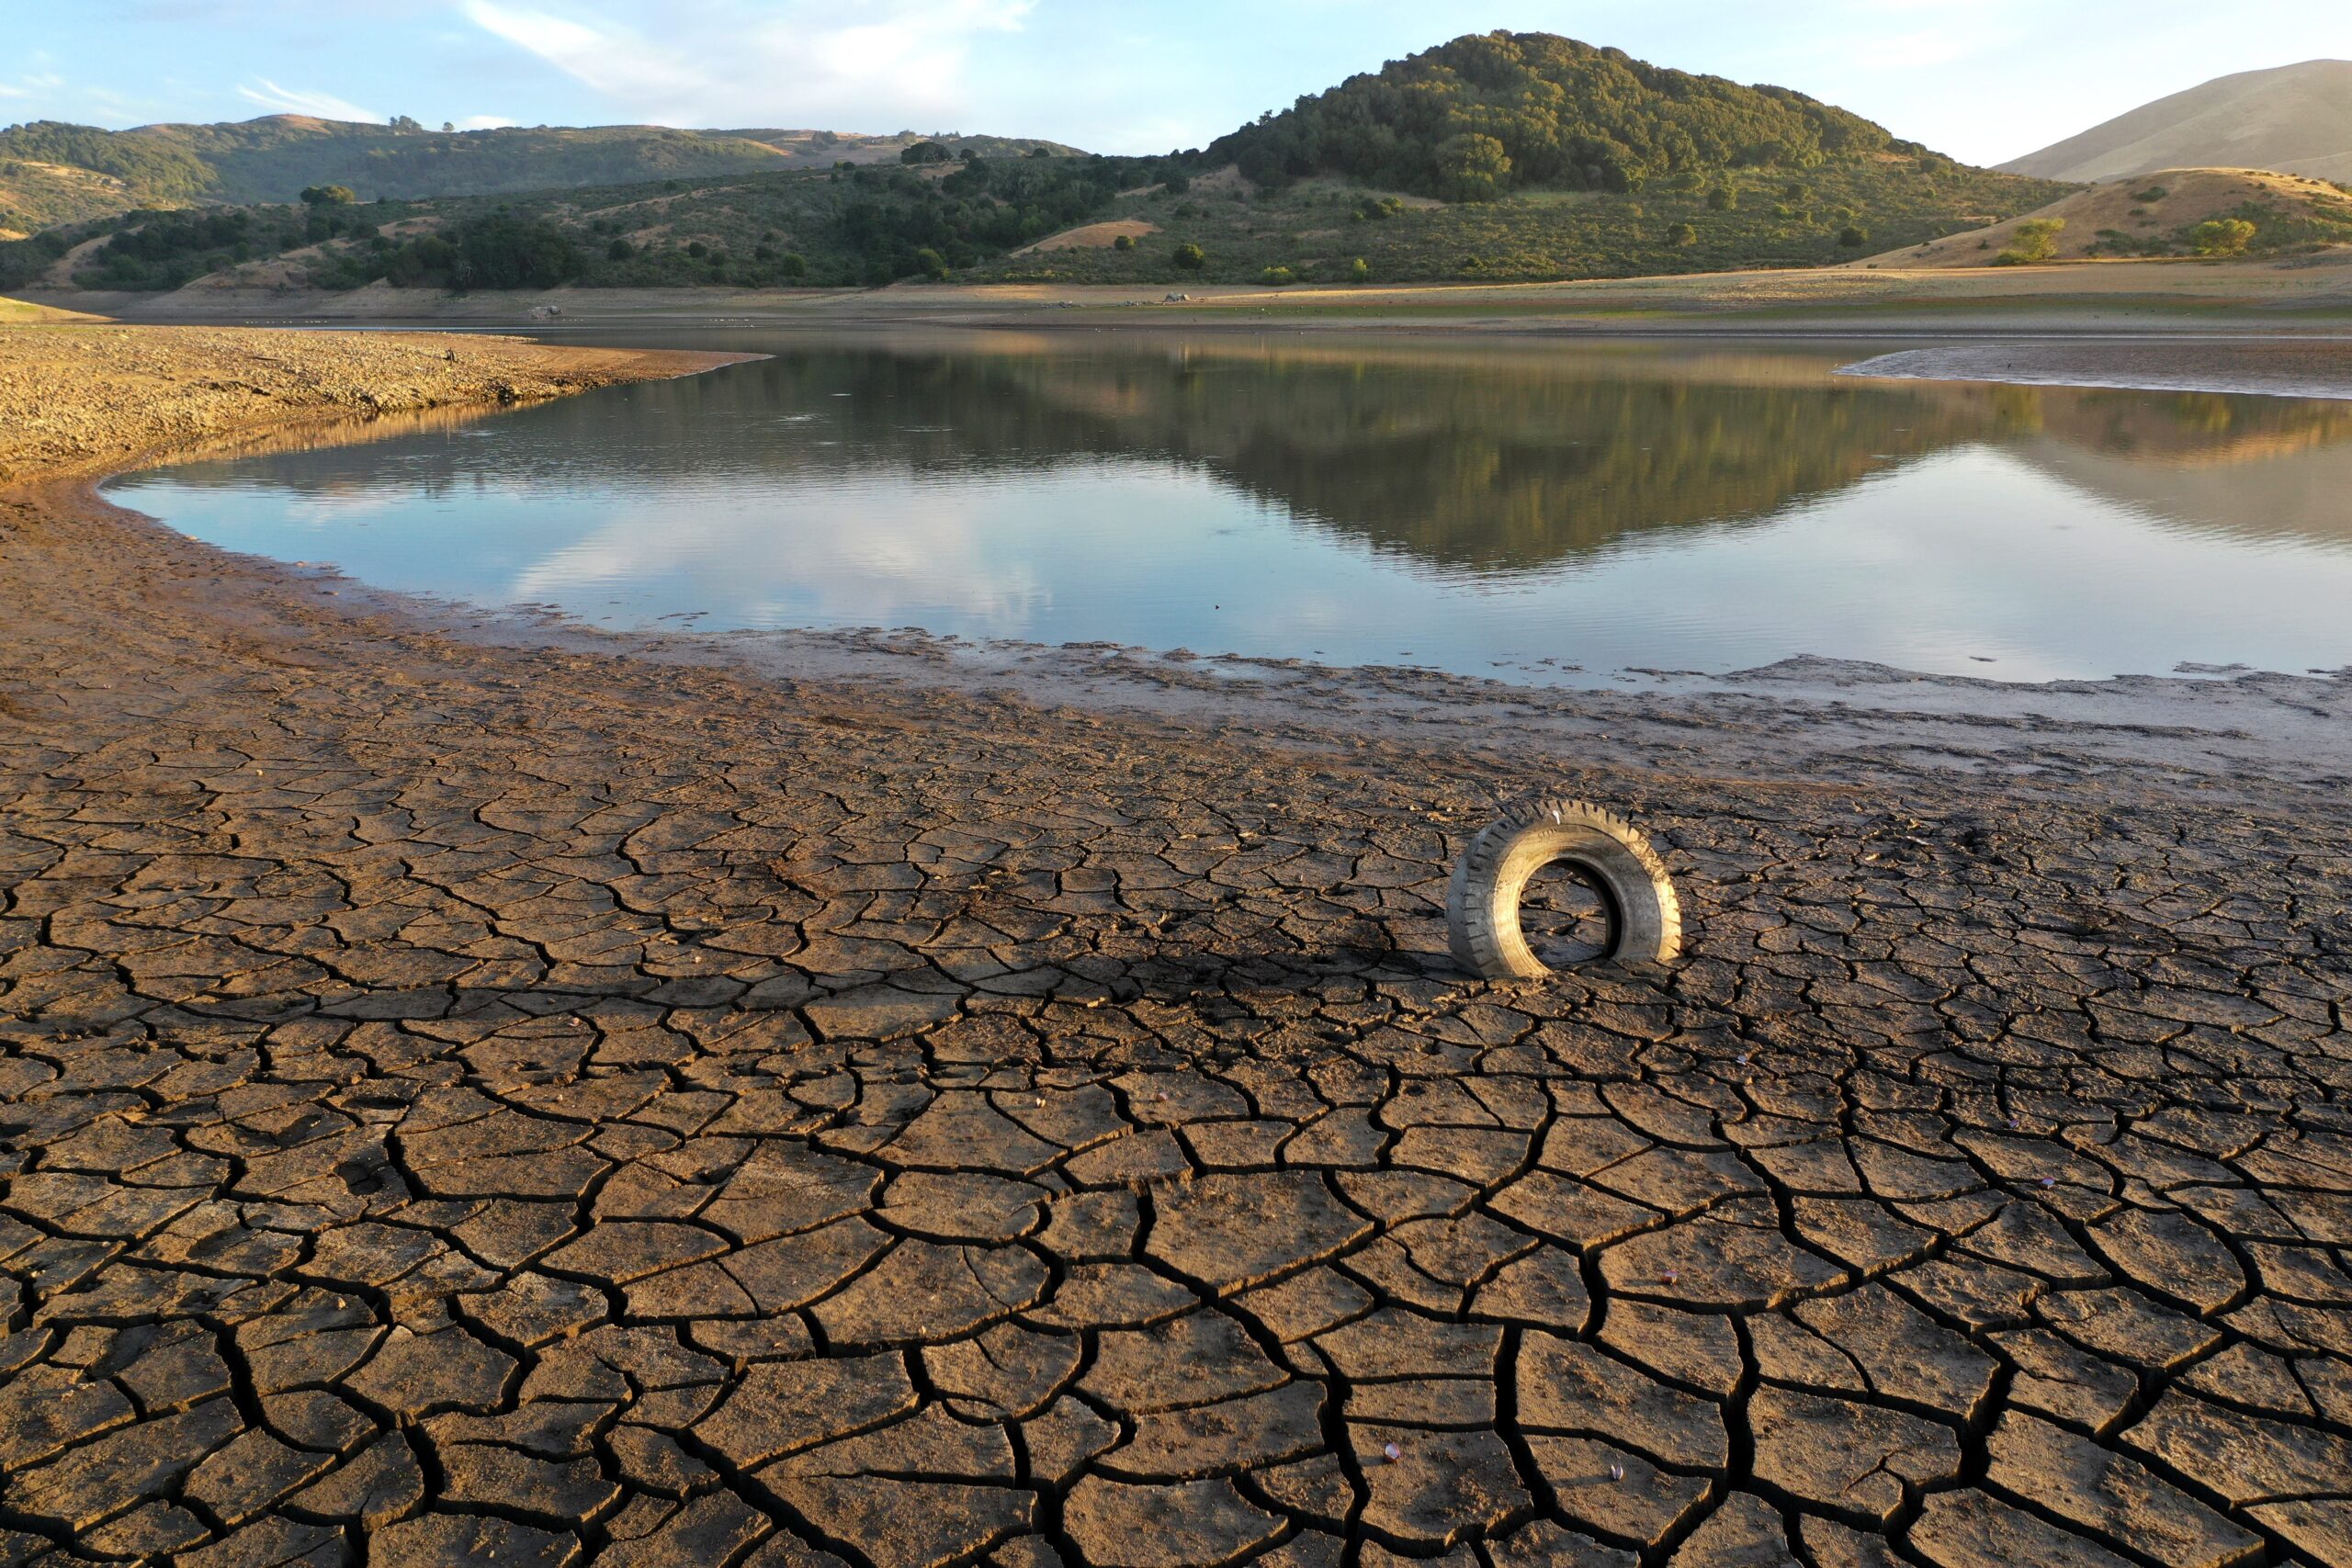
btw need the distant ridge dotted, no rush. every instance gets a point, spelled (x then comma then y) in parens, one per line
(1494, 157)
(53, 173)
(2296, 119)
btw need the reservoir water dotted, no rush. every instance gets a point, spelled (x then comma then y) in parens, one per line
(1530, 510)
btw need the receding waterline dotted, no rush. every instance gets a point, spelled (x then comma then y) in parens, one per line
(1535, 514)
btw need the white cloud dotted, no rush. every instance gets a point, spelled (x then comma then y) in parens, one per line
(8, 92)
(485, 122)
(288, 100)
(864, 64)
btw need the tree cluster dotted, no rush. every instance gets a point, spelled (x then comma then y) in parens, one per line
(1472, 119)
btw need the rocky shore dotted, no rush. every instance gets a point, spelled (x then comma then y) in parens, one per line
(472, 1090)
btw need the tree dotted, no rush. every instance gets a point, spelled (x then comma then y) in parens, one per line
(1853, 237)
(2221, 237)
(925, 152)
(1359, 271)
(1123, 242)
(328, 195)
(1473, 167)
(1682, 234)
(931, 264)
(448, 127)
(792, 264)
(2035, 240)
(1191, 258)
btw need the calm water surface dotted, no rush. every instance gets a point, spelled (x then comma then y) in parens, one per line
(1535, 511)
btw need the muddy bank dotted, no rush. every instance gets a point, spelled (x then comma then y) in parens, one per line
(78, 399)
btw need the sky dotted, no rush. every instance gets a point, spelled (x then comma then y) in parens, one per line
(1983, 80)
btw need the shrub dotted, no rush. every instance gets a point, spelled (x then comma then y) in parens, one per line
(925, 152)
(2036, 240)
(619, 250)
(792, 264)
(1123, 242)
(1853, 237)
(2221, 237)
(1278, 276)
(328, 195)
(1682, 234)
(499, 251)
(1723, 198)
(2153, 193)
(1359, 271)
(931, 264)
(1191, 258)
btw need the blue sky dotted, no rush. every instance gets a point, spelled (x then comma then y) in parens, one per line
(1983, 80)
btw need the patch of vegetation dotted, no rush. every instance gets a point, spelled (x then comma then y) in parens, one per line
(2222, 236)
(1318, 228)
(27, 260)
(2035, 240)
(158, 171)
(2253, 229)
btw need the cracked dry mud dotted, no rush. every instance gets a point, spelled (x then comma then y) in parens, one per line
(465, 1104)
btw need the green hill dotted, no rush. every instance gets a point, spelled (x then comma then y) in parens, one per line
(52, 172)
(1494, 112)
(1495, 157)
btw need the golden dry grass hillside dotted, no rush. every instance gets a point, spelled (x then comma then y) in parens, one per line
(23, 312)
(2296, 118)
(2152, 216)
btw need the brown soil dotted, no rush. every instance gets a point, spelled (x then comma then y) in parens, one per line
(1092, 236)
(464, 1099)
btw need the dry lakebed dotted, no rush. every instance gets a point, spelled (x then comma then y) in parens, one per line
(473, 1090)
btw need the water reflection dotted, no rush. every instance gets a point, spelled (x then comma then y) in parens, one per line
(1476, 505)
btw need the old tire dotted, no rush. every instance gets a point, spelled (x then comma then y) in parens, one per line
(1482, 904)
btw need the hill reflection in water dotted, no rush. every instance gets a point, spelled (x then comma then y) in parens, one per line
(1478, 505)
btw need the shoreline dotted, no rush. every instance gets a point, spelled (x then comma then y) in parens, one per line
(2300, 368)
(2203, 724)
(2105, 327)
